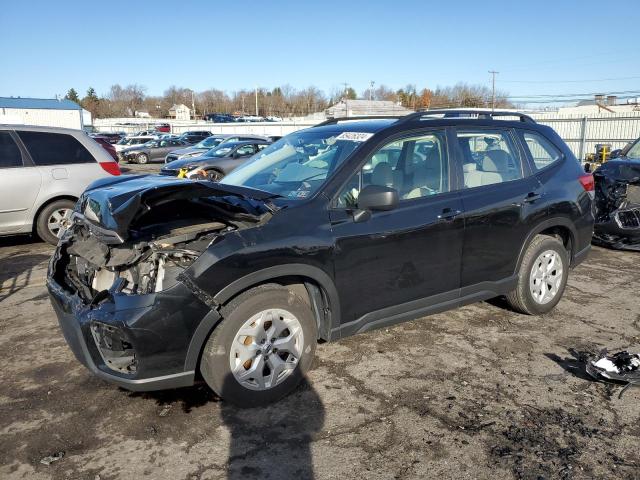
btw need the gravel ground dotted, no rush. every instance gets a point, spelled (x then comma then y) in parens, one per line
(478, 392)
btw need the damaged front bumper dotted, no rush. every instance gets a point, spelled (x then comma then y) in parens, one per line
(617, 205)
(142, 342)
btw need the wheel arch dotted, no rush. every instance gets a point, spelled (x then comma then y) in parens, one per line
(311, 283)
(557, 227)
(45, 204)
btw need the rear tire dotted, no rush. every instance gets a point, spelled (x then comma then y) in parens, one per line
(48, 222)
(542, 276)
(283, 323)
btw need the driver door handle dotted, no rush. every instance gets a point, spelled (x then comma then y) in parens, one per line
(532, 197)
(448, 214)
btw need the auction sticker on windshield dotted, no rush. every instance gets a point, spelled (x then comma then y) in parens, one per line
(355, 136)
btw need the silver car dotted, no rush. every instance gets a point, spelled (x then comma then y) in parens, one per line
(43, 171)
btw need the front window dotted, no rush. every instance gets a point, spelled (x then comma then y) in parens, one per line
(634, 151)
(297, 165)
(220, 151)
(415, 167)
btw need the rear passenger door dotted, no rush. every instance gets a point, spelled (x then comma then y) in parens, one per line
(502, 201)
(19, 184)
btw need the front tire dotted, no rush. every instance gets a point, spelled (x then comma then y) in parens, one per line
(142, 158)
(542, 276)
(263, 347)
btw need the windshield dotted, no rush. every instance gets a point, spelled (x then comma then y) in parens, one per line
(297, 165)
(124, 141)
(208, 143)
(634, 151)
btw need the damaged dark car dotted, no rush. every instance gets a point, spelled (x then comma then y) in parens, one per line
(334, 230)
(617, 202)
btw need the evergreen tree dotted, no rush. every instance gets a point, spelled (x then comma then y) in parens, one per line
(72, 95)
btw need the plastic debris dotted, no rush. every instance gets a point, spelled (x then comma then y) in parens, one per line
(48, 460)
(621, 367)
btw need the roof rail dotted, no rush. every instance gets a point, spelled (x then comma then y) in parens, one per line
(457, 113)
(333, 121)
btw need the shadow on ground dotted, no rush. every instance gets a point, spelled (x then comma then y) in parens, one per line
(271, 442)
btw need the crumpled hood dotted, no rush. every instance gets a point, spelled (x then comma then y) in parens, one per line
(115, 203)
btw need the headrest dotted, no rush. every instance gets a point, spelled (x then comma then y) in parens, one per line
(496, 161)
(469, 167)
(382, 175)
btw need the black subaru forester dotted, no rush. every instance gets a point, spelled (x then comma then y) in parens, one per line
(351, 225)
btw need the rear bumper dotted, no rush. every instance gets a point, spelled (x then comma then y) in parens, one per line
(166, 331)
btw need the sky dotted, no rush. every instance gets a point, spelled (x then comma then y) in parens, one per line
(538, 47)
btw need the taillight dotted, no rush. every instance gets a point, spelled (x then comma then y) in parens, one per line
(111, 168)
(587, 182)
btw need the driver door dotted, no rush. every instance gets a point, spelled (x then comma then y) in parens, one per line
(408, 254)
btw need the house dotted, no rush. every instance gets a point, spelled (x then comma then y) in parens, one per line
(355, 108)
(602, 104)
(180, 112)
(49, 112)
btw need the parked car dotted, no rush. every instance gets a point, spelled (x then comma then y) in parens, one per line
(43, 171)
(249, 118)
(195, 136)
(104, 143)
(219, 118)
(128, 142)
(333, 230)
(617, 201)
(273, 118)
(111, 137)
(209, 143)
(163, 127)
(217, 162)
(151, 151)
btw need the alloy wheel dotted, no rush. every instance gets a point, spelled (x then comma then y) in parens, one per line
(266, 349)
(59, 221)
(546, 276)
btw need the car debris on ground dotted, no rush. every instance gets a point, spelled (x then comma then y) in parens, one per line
(54, 457)
(621, 367)
(617, 205)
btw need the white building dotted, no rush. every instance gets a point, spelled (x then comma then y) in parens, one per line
(180, 112)
(354, 108)
(47, 112)
(602, 104)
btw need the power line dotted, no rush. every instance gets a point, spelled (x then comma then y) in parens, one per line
(572, 81)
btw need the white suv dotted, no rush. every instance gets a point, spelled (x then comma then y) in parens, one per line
(43, 171)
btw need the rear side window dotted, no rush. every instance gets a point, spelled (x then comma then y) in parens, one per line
(489, 157)
(10, 155)
(541, 149)
(55, 148)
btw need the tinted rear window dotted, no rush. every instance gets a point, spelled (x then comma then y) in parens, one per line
(10, 155)
(55, 148)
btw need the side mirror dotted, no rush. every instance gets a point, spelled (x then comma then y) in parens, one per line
(587, 168)
(378, 197)
(236, 155)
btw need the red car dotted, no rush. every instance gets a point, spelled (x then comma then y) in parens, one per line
(163, 127)
(104, 143)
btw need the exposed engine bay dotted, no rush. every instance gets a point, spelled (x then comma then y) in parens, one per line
(165, 233)
(617, 205)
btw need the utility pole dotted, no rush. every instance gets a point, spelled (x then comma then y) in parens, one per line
(344, 91)
(493, 88)
(243, 104)
(193, 104)
(371, 90)
(256, 100)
